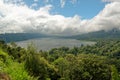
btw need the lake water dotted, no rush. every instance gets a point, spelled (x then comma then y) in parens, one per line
(49, 43)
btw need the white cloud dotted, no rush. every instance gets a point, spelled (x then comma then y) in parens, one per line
(35, 0)
(34, 5)
(21, 18)
(107, 19)
(73, 1)
(17, 2)
(111, 0)
(46, 1)
(62, 2)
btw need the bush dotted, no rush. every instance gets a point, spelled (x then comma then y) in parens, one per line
(15, 70)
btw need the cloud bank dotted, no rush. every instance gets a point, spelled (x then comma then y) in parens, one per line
(22, 19)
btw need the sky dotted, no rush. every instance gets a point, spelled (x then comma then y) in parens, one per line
(70, 8)
(58, 17)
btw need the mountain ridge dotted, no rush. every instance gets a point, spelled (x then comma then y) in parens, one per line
(14, 37)
(111, 34)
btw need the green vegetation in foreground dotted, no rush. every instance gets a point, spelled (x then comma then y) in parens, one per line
(14, 69)
(97, 62)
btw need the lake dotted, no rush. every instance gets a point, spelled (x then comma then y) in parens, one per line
(49, 43)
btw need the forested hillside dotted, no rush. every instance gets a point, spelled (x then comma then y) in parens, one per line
(97, 62)
(8, 37)
(110, 34)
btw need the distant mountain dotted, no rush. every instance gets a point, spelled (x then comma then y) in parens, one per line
(112, 34)
(14, 37)
(10, 37)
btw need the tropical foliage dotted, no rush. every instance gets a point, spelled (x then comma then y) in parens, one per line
(97, 62)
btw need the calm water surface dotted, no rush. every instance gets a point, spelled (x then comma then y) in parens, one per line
(49, 43)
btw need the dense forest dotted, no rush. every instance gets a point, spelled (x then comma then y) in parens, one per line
(97, 62)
